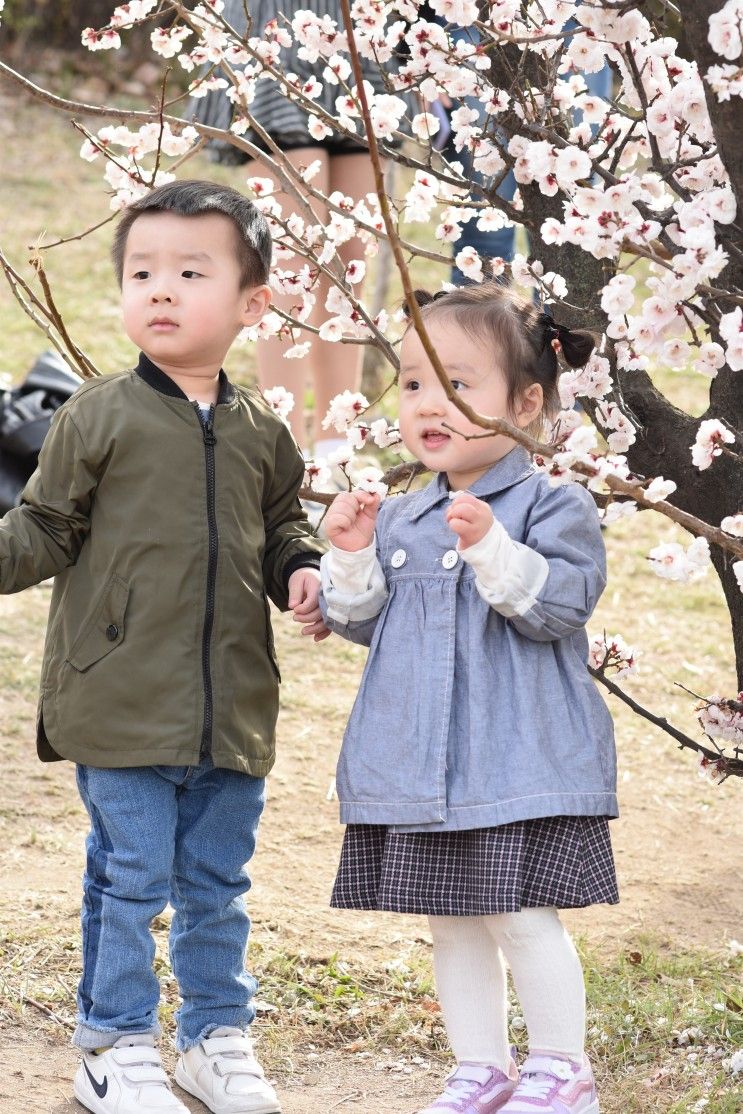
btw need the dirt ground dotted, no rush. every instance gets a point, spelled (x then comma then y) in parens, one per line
(677, 846)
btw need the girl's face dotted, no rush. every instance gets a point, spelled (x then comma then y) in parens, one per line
(428, 420)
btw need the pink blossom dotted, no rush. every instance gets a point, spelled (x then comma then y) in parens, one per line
(711, 436)
(317, 128)
(724, 30)
(612, 653)
(100, 40)
(316, 473)
(720, 721)
(355, 271)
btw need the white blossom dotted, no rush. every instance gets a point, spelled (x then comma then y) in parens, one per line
(469, 263)
(370, 479)
(672, 562)
(737, 568)
(733, 525)
(344, 409)
(659, 489)
(280, 400)
(298, 351)
(384, 435)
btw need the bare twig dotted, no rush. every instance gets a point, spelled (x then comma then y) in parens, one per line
(729, 767)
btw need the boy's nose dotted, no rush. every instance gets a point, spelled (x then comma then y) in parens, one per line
(160, 294)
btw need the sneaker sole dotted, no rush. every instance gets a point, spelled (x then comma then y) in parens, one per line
(188, 1084)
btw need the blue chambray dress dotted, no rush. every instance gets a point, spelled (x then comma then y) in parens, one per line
(517, 701)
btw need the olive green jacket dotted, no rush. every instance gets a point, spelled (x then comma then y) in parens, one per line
(165, 533)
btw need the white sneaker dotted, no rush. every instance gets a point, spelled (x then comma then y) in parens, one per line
(223, 1072)
(127, 1078)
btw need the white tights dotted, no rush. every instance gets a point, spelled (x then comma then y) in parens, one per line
(468, 957)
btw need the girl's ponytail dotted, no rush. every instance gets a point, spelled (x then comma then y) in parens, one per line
(574, 345)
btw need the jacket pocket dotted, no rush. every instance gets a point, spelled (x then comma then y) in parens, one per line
(104, 630)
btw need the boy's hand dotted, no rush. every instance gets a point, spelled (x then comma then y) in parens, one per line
(304, 592)
(349, 523)
(470, 518)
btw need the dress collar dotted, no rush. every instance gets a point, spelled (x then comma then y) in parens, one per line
(157, 379)
(511, 469)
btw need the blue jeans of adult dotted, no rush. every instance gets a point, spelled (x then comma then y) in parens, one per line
(501, 242)
(159, 834)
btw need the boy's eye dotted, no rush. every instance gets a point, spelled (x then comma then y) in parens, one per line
(191, 274)
(141, 274)
(410, 385)
(458, 384)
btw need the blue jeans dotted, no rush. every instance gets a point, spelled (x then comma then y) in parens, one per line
(500, 243)
(159, 834)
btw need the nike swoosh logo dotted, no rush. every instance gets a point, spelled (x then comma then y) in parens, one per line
(99, 1088)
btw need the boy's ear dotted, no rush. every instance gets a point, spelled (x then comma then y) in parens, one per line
(256, 301)
(529, 405)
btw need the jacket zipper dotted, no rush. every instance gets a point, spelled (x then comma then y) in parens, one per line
(207, 427)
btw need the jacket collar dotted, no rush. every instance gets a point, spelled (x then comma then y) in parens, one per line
(511, 469)
(157, 379)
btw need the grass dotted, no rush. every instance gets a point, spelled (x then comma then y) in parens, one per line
(661, 1027)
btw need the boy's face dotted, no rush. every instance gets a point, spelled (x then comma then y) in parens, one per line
(181, 295)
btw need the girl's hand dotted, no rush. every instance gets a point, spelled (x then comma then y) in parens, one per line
(304, 592)
(349, 523)
(470, 518)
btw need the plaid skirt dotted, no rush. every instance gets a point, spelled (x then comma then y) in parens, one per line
(562, 861)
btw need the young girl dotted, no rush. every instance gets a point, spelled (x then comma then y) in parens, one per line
(477, 774)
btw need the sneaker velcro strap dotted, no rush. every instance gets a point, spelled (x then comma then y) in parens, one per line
(218, 1046)
(145, 1073)
(137, 1054)
(224, 1068)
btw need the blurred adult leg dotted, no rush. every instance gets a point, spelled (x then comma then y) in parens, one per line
(273, 369)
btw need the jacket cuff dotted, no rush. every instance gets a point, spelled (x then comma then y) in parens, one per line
(305, 560)
(508, 575)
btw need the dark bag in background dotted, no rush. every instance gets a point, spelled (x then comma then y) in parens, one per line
(25, 416)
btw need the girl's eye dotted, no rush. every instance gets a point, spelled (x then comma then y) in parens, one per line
(410, 385)
(458, 385)
(191, 274)
(141, 274)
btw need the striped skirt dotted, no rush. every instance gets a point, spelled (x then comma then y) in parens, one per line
(286, 122)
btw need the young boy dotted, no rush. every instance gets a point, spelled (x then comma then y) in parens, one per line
(165, 505)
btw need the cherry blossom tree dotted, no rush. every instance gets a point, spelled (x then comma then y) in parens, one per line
(631, 206)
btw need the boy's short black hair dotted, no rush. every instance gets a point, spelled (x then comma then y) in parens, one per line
(192, 198)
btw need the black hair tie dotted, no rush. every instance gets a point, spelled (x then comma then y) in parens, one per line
(554, 331)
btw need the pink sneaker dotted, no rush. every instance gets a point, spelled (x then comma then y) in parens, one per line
(551, 1085)
(474, 1089)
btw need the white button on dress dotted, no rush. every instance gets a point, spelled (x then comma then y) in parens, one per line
(398, 559)
(450, 559)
